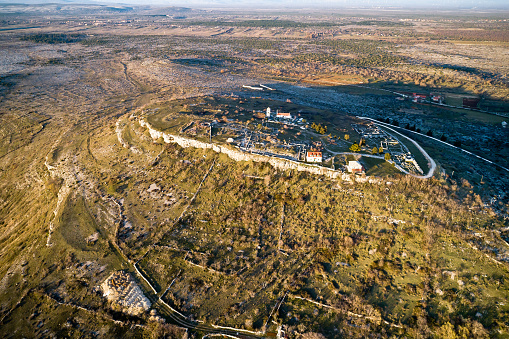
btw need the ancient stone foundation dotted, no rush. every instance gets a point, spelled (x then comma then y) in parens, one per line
(120, 288)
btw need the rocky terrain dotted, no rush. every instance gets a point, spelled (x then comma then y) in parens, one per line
(186, 236)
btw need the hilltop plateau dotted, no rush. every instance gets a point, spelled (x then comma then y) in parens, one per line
(187, 173)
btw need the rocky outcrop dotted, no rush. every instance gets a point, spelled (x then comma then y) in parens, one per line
(238, 155)
(123, 290)
(119, 127)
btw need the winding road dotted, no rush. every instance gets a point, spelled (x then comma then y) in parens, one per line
(431, 163)
(438, 140)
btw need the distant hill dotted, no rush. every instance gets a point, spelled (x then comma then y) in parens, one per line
(89, 7)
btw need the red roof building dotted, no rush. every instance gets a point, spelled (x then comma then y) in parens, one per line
(314, 156)
(283, 115)
(416, 97)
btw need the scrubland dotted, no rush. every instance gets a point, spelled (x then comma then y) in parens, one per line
(241, 244)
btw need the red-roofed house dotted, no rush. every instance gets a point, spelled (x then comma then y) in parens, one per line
(314, 156)
(418, 97)
(283, 115)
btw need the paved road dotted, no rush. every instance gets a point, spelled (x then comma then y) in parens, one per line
(431, 163)
(440, 141)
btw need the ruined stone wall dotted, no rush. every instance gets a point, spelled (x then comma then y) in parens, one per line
(238, 155)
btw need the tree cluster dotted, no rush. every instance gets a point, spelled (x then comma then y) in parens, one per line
(319, 128)
(54, 38)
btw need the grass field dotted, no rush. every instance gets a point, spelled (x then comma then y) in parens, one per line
(378, 167)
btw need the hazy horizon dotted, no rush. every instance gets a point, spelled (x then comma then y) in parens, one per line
(294, 4)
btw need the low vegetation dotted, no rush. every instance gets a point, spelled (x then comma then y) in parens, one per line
(86, 191)
(54, 38)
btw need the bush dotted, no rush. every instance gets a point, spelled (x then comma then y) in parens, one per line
(53, 185)
(355, 148)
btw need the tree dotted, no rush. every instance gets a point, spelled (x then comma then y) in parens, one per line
(112, 185)
(387, 156)
(381, 149)
(375, 150)
(443, 138)
(319, 128)
(445, 331)
(347, 137)
(355, 148)
(429, 133)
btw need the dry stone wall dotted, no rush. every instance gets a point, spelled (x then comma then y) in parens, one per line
(238, 155)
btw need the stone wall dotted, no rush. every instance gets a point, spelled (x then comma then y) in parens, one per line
(238, 155)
